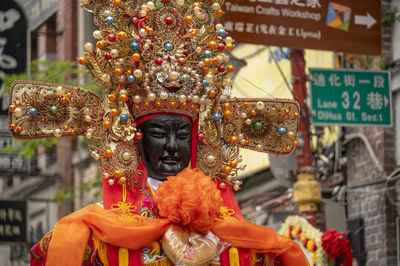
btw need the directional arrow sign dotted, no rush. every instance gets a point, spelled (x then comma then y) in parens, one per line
(349, 98)
(367, 20)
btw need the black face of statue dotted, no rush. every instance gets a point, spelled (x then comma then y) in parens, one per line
(165, 146)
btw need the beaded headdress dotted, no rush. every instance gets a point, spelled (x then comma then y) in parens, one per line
(161, 56)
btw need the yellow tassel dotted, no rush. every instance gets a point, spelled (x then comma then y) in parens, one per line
(123, 255)
(101, 250)
(234, 257)
(253, 258)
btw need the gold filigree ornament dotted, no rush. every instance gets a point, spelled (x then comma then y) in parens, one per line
(161, 56)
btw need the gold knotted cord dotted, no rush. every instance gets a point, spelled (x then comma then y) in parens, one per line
(224, 213)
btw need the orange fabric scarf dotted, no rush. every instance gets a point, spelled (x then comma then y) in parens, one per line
(71, 234)
(190, 199)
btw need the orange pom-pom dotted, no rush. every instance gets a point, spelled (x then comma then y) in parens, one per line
(189, 198)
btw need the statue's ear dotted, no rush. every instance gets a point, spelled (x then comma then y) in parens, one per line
(41, 110)
(264, 125)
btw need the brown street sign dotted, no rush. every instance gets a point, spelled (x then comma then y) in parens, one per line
(352, 26)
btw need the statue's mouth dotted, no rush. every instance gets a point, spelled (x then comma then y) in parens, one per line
(170, 160)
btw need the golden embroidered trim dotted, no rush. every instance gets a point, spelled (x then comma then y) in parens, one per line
(162, 262)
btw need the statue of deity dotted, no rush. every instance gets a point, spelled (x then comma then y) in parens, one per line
(167, 134)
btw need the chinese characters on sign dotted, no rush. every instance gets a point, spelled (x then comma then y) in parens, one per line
(351, 97)
(13, 221)
(13, 52)
(315, 24)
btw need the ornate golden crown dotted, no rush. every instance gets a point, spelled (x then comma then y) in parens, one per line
(167, 56)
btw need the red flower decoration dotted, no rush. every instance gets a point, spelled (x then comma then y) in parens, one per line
(337, 245)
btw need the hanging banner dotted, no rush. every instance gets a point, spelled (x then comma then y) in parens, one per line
(341, 25)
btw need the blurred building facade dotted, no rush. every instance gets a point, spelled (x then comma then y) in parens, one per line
(57, 31)
(371, 197)
(360, 183)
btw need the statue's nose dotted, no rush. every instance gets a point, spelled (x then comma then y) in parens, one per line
(171, 144)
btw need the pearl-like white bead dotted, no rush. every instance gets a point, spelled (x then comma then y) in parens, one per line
(195, 99)
(105, 77)
(209, 78)
(114, 53)
(182, 98)
(216, 6)
(97, 34)
(163, 95)
(18, 112)
(174, 75)
(88, 46)
(60, 90)
(57, 132)
(228, 39)
(138, 73)
(142, 32)
(151, 97)
(260, 105)
(126, 156)
(150, 5)
(137, 99)
(210, 159)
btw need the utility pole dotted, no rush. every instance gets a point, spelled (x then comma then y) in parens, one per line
(306, 191)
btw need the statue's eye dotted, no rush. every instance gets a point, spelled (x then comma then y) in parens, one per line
(183, 135)
(157, 133)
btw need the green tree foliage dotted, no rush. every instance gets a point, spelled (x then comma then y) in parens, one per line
(389, 16)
